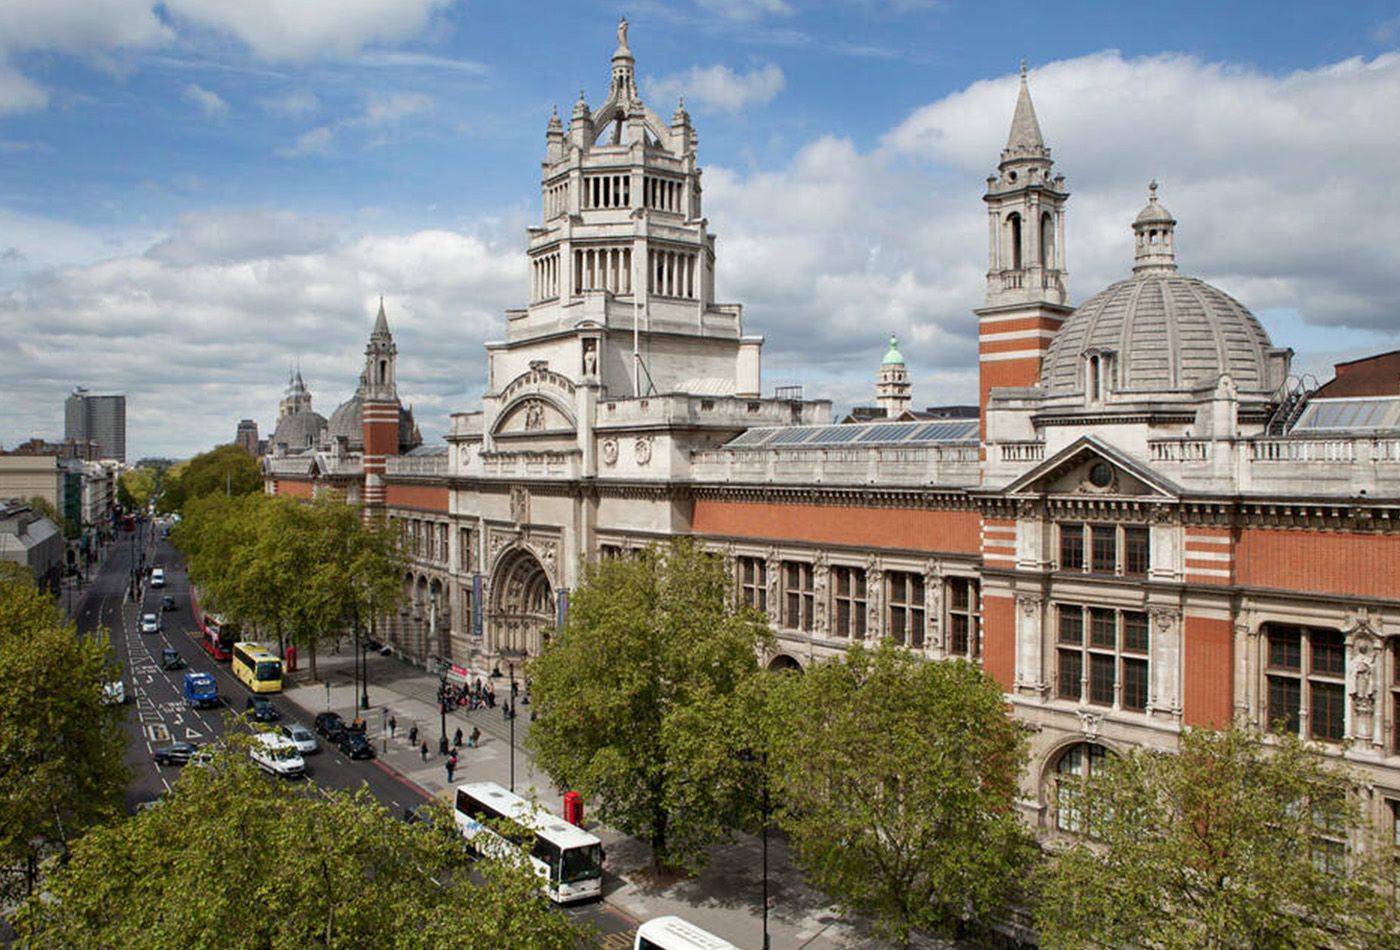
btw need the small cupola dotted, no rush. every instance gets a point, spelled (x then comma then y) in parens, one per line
(1154, 237)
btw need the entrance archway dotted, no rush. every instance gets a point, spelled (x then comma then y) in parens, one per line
(521, 604)
(784, 663)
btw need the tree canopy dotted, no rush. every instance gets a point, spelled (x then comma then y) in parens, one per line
(136, 486)
(651, 641)
(1231, 842)
(293, 570)
(226, 470)
(232, 859)
(60, 748)
(896, 780)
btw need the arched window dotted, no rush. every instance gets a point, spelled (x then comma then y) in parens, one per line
(383, 371)
(1047, 240)
(1013, 222)
(1073, 770)
(1095, 382)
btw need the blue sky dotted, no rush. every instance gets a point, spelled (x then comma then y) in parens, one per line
(195, 194)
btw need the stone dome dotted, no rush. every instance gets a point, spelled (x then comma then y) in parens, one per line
(1164, 333)
(299, 431)
(346, 422)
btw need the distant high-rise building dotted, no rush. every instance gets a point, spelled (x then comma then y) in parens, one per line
(247, 436)
(100, 419)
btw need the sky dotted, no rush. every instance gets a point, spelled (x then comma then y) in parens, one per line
(197, 196)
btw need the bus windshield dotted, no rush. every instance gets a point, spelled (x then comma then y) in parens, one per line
(269, 670)
(582, 864)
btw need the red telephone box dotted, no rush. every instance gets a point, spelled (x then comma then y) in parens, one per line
(573, 808)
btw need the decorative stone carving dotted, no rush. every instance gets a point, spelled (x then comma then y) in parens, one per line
(1089, 723)
(498, 541)
(1364, 655)
(1161, 514)
(464, 454)
(534, 415)
(1029, 604)
(821, 575)
(609, 451)
(1025, 508)
(590, 357)
(642, 449)
(519, 504)
(1163, 618)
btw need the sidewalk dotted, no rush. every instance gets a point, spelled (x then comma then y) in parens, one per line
(726, 899)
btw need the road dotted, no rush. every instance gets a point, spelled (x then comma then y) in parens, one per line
(158, 714)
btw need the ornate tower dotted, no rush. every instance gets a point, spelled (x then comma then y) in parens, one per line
(380, 413)
(892, 390)
(1026, 286)
(296, 399)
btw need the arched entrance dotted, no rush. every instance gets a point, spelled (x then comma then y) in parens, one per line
(521, 604)
(783, 663)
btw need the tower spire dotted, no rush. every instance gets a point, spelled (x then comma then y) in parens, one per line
(1025, 140)
(381, 323)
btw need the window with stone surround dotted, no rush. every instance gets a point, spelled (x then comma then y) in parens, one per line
(904, 610)
(1073, 770)
(753, 582)
(799, 598)
(1105, 548)
(963, 629)
(1102, 656)
(466, 549)
(1305, 673)
(1394, 817)
(608, 552)
(848, 602)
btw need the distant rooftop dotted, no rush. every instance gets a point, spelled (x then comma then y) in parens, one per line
(877, 433)
(1381, 413)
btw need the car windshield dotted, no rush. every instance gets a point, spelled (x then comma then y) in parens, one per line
(582, 864)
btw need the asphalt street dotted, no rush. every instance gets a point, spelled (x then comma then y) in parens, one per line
(157, 714)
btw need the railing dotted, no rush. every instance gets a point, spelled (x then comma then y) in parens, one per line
(884, 465)
(530, 464)
(1178, 450)
(1022, 451)
(432, 465)
(1302, 450)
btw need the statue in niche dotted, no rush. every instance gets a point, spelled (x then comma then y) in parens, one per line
(590, 357)
(534, 416)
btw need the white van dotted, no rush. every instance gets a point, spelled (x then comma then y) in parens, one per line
(277, 755)
(677, 933)
(157, 577)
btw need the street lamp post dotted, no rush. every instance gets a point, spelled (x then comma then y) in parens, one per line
(511, 655)
(747, 756)
(364, 674)
(442, 711)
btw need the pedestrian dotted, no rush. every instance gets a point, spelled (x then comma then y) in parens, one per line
(424, 749)
(393, 725)
(474, 739)
(451, 767)
(505, 710)
(413, 735)
(457, 737)
(514, 689)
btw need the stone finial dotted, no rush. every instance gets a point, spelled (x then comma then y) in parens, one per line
(622, 32)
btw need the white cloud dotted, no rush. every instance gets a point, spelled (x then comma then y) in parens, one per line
(209, 102)
(744, 10)
(80, 26)
(297, 30)
(18, 93)
(718, 87)
(199, 328)
(292, 103)
(314, 142)
(381, 111)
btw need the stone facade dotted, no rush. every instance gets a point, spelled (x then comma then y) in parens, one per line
(1149, 526)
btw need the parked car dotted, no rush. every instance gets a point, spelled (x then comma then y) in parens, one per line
(167, 602)
(355, 746)
(150, 623)
(330, 726)
(114, 693)
(300, 735)
(262, 709)
(171, 659)
(277, 755)
(157, 577)
(177, 753)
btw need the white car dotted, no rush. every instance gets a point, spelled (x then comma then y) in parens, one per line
(150, 623)
(301, 737)
(277, 755)
(114, 693)
(157, 577)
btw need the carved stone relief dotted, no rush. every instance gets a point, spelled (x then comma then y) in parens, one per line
(534, 415)
(609, 451)
(642, 449)
(519, 504)
(1365, 653)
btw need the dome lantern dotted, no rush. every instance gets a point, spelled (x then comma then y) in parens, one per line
(1154, 237)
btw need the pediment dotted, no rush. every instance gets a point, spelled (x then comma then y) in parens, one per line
(534, 415)
(1089, 467)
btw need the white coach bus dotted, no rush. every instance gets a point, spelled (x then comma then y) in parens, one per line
(677, 933)
(569, 859)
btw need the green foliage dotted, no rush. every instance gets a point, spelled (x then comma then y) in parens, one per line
(226, 470)
(135, 487)
(232, 858)
(652, 642)
(897, 783)
(293, 570)
(60, 749)
(41, 506)
(1219, 845)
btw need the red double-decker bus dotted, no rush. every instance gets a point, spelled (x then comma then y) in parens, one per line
(218, 636)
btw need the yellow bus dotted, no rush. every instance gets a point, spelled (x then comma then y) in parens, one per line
(256, 668)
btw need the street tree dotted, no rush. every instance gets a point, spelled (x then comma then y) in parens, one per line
(651, 640)
(61, 749)
(135, 488)
(896, 780)
(226, 470)
(231, 859)
(1234, 841)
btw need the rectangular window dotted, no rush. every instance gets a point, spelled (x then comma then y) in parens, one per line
(1134, 684)
(465, 549)
(1102, 677)
(848, 598)
(1137, 551)
(1072, 625)
(798, 599)
(1105, 549)
(1114, 654)
(1071, 673)
(906, 608)
(1306, 672)
(1134, 631)
(1103, 628)
(961, 597)
(1071, 547)
(753, 582)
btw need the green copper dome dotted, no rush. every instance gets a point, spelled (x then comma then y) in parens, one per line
(893, 355)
